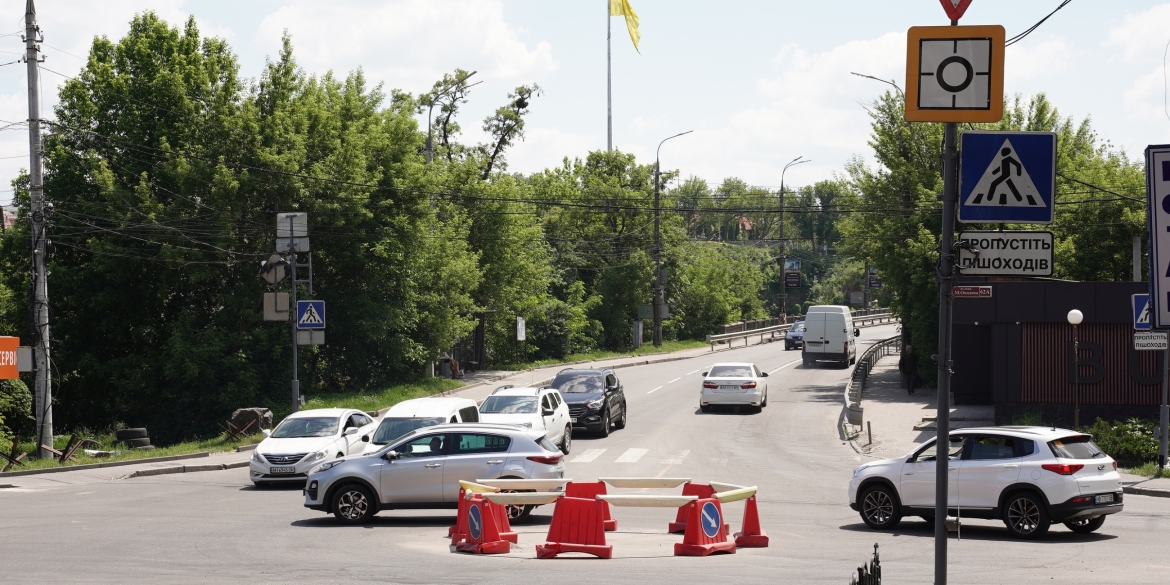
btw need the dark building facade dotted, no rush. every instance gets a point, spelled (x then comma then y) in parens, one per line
(1014, 350)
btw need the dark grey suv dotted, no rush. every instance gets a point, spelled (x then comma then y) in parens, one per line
(596, 399)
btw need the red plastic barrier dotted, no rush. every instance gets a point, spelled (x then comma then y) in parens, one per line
(502, 523)
(701, 490)
(751, 536)
(452, 531)
(477, 531)
(590, 491)
(577, 526)
(706, 533)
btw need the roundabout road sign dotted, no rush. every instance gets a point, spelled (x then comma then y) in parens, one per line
(954, 73)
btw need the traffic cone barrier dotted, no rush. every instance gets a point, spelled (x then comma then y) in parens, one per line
(590, 490)
(503, 524)
(706, 533)
(478, 532)
(452, 531)
(701, 490)
(577, 526)
(751, 536)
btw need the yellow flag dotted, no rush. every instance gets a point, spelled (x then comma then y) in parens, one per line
(623, 8)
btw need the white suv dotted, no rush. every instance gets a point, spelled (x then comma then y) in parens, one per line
(530, 408)
(1029, 477)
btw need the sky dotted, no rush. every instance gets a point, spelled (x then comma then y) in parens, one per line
(759, 82)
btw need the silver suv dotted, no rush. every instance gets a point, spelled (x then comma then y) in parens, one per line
(422, 469)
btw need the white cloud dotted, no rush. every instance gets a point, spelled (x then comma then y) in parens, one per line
(1143, 35)
(1038, 58)
(544, 148)
(407, 43)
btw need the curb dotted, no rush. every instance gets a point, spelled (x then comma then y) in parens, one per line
(243, 448)
(104, 465)
(1141, 491)
(186, 469)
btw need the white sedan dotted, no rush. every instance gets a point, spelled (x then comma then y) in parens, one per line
(305, 439)
(734, 384)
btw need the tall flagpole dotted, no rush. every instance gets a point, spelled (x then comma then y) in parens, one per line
(608, 80)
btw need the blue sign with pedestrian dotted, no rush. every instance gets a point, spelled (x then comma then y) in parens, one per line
(1141, 312)
(710, 519)
(310, 314)
(1007, 177)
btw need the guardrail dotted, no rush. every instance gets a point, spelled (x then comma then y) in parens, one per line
(864, 321)
(865, 363)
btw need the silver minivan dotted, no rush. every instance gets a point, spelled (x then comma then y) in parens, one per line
(829, 335)
(423, 468)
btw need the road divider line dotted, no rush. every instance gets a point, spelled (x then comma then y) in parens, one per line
(588, 455)
(652, 391)
(784, 366)
(631, 455)
(698, 370)
(674, 380)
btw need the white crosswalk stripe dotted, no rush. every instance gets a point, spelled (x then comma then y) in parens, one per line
(631, 455)
(677, 459)
(588, 455)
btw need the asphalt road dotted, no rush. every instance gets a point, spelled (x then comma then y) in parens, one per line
(215, 527)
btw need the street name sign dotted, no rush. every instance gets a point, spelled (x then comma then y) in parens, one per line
(310, 314)
(971, 292)
(1158, 222)
(954, 73)
(1141, 311)
(1007, 177)
(1005, 253)
(1150, 340)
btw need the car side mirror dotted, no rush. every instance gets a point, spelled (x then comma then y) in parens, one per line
(763, 374)
(365, 438)
(351, 431)
(856, 332)
(547, 412)
(267, 432)
(704, 374)
(391, 455)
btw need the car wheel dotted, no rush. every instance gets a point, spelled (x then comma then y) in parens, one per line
(879, 508)
(1025, 516)
(765, 402)
(621, 422)
(805, 358)
(517, 513)
(787, 347)
(567, 440)
(852, 360)
(1085, 525)
(604, 430)
(353, 504)
(705, 408)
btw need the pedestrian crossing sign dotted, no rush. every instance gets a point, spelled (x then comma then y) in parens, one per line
(1141, 312)
(310, 314)
(1007, 177)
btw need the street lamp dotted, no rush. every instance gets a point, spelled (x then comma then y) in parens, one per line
(659, 282)
(430, 143)
(784, 243)
(1074, 318)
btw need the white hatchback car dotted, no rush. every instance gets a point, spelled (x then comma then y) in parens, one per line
(1029, 477)
(305, 439)
(734, 384)
(531, 408)
(417, 413)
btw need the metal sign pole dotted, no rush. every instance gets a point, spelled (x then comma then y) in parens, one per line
(1165, 412)
(296, 383)
(943, 358)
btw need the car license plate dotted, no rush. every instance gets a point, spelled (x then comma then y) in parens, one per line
(729, 387)
(276, 470)
(573, 420)
(1105, 499)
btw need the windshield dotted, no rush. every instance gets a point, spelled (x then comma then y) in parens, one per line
(731, 372)
(508, 405)
(579, 383)
(1078, 447)
(296, 428)
(392, 428)
(798, 326)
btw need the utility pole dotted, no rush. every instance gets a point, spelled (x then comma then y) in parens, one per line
(659, 281)
(943, 358)
(36, 190)
(784, 244)
(609, 82)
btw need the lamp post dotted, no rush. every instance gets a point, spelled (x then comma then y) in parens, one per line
(784, 243)
(659, 282)
(1074, 318)
(430, 143)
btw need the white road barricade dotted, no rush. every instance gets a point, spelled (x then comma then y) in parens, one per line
(644, 482)
(524, 484)
(524, 498)
(724, 487)
(647, 501)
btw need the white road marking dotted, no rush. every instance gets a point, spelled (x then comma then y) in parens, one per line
(674, 380)
(631, 456)
(677, 459)
(783, 366)
(652, 391)
(588, 455)
(698, 370)
(717, 461)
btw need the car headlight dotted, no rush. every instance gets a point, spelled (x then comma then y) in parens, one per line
(595, 403)
(526, 425)
(327, 466)
(256, 457)
(857, 472)
(319, 455)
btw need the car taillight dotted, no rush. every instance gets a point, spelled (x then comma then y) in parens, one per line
(710, 385)
(748, 385)
(1063, 468)
(845, 348)
(1082, 500)
(1115, 466)
(546, 459)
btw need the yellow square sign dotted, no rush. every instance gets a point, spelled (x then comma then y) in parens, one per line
(954, 73)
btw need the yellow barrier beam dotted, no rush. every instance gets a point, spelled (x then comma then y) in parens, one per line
(644, 482)
(724, 487)
(476, 488)
(736, 495)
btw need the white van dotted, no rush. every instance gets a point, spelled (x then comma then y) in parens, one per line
(417, 413)
(829, 335)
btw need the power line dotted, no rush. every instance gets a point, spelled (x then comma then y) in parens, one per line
(1027, 32)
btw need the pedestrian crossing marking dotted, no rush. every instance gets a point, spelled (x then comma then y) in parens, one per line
(588, 455)
(999, 186)
(632, 455)
(677, 459)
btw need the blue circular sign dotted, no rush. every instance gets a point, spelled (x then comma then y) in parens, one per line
(475, 522)
(709, 518)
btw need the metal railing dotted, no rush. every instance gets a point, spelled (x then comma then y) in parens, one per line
(863, 321)
(865, 363)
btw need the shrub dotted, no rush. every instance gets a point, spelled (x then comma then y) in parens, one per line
(16, 411)
(1132, 443)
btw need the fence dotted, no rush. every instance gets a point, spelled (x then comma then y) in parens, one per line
(862, 321)
(865, 363)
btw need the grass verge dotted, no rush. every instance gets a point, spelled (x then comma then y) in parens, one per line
(109, 443)
(371, 402)
(1149, 470)
(667, 347)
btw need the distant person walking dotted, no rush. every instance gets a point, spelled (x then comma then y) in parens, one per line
(908, 365)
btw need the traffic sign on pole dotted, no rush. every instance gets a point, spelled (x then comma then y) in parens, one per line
(955, 8)
(1158, 221)
(1007, 177)
(954, 73)
(1141, 311)
(310, 314)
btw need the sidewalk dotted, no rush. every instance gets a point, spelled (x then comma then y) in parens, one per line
(212, 462)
